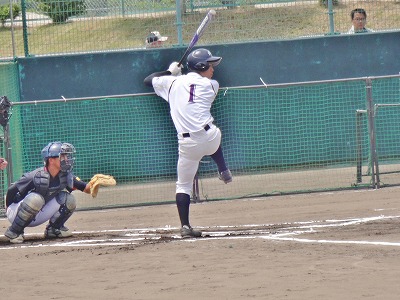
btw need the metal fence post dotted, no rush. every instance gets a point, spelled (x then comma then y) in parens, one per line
(12, 29)
(372, 137)
(179, 6)
(330, 14)
(7, 144)
(123, 8)
(359, 156)
(24, 28)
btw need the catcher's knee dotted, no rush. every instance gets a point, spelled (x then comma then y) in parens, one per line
(67, 200)
(27, 210)
(34, 201)
(67, 207)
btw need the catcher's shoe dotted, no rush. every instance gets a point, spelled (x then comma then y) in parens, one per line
(226, 176)
(188, 232)
(14, 238)
(53, 233)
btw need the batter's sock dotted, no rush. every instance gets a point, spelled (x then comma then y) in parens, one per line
(183, 203)
(218, 157)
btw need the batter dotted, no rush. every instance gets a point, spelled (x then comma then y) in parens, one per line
(190, 98)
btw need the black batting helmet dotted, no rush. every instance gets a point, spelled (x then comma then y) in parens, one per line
(201, 59)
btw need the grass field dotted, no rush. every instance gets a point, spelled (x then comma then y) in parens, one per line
(262, 22)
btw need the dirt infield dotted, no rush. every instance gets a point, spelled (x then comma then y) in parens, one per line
(341, 245)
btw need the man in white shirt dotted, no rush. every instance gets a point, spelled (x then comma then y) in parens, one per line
(190, 98)
(359, 19)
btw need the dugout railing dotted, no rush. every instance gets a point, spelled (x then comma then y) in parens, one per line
(277, 139)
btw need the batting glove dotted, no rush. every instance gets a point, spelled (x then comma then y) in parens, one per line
(175, 69)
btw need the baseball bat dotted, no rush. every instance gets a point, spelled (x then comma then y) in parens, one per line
(199, 32)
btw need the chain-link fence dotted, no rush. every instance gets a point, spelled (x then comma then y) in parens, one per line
(45, 27)
(309, 140)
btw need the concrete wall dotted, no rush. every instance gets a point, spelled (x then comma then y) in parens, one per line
(306, 59)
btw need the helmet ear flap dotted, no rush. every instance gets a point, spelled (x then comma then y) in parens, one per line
(201, 66)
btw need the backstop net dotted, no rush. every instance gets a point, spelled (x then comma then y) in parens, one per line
(8, 87)
(292, 138)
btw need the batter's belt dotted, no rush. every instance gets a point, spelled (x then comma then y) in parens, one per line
(187, 134)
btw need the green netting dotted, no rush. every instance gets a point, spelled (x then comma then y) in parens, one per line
(386, 94)
(283, 139)
(277, 128)
(8, 87)
(128, 137)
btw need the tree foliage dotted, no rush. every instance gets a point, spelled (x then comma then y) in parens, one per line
(5, 12)
(60, 10)
(325, 2)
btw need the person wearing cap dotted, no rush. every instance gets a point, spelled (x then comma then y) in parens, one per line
(155, 40)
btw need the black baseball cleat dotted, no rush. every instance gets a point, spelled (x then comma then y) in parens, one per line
(13, 237)
(189, 232)
(226, 176)
(53, 233)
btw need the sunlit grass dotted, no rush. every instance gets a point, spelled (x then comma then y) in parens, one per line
(281, 21)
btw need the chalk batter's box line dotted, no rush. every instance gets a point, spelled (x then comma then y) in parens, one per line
(251, 231)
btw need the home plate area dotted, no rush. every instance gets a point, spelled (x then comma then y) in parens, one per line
(379, 230)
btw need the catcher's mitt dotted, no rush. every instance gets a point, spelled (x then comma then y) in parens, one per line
(98, 180)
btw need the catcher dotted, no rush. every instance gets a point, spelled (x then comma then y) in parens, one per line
(44, 194)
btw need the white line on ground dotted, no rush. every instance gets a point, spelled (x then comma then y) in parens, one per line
(289, 232)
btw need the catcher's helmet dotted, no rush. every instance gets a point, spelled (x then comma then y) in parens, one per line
(52, 149)
(56, 149)
(201, 59)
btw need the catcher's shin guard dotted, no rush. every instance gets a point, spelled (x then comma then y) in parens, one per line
(67, 207)
(27, 211)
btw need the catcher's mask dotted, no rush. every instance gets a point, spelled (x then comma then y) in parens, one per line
(64, 151)
(5, 110)
(67, 157)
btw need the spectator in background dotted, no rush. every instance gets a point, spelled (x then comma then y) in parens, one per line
(359, 19)
(155, 40)
(3, 163)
